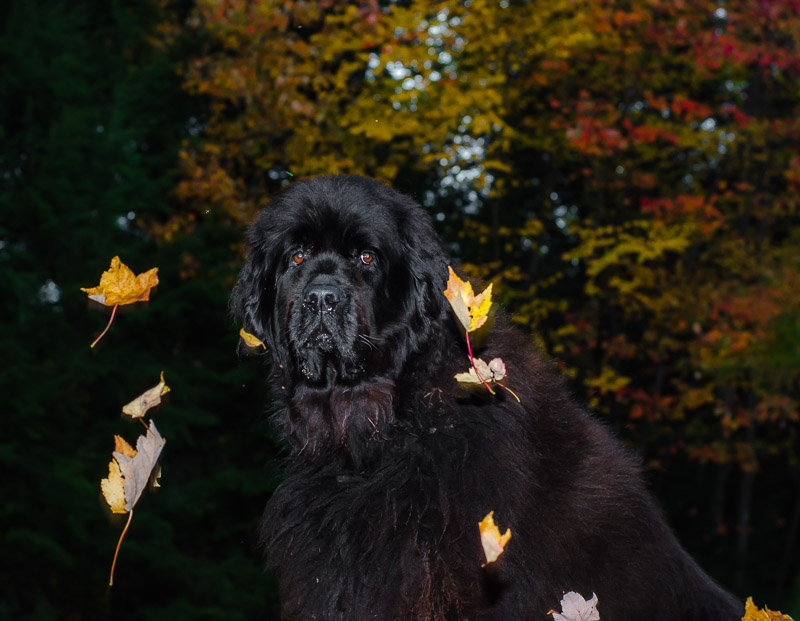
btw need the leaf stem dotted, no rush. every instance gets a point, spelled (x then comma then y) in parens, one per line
(472, 361)
(119, 543)
(509, 390)
(113, 312)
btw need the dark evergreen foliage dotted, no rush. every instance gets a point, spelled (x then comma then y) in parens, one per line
(90, 121)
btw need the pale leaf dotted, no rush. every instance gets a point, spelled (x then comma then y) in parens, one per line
(492, 541)
(147, 400)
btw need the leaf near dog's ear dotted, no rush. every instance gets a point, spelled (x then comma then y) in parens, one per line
(492, 541)
(575, 608)
(753, 613)
(471, 310)
(492, 372)
(148, 399)
(251, 340)
(118, 285)
(137, 468)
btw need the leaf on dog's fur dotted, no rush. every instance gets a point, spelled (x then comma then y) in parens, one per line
(250, 340)
(492, 372)
(471, 310)
(753, 613)
(575, 608)
(148, 399)
(492, 541)
(118, 285)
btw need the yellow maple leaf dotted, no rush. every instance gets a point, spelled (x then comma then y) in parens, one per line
(492, 541)
(113, 488)
(118, 285)
(471, 310)
(250, 340)
(753, 613)
(148, 399)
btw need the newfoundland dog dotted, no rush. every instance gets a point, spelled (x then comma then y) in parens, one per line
(393, 463)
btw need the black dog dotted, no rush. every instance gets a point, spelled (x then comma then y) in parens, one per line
(393, 464)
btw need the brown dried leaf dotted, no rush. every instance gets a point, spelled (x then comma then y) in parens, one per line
(136, 470)
(147, 400)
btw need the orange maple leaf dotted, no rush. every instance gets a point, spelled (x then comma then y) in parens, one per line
(753, 613)
(118, 285)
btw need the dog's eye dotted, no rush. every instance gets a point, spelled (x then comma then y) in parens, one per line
(367, 257)
(298, 257)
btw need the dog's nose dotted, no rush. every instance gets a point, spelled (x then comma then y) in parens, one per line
(322, 297)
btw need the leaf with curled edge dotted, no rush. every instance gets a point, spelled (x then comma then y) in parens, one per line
(492, 542)
(575, 608)
(470, 310)
(753, 613)
(147, 400)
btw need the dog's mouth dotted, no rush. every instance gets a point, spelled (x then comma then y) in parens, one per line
(322, 358)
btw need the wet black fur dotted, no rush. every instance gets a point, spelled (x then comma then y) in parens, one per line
(393, 464)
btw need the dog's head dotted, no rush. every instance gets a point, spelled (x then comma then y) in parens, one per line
(343, 282)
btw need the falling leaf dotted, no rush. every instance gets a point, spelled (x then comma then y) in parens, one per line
(250, 340)
(753, 613)
(118, 285)
(492, 541)
(492, 372)
(113, 489)
(575, 608)
(128, 474)
(147, 400)
(136, 469)
(471, 310)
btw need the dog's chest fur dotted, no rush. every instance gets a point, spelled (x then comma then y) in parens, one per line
(378, 541)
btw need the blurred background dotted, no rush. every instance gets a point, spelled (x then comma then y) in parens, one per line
(627, 173)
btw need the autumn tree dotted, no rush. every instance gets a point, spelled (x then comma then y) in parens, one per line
(626, 173)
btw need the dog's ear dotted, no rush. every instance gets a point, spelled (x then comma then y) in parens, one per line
(425, 265)
(251, 297)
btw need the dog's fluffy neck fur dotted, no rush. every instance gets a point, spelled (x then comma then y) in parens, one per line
(351, 421)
